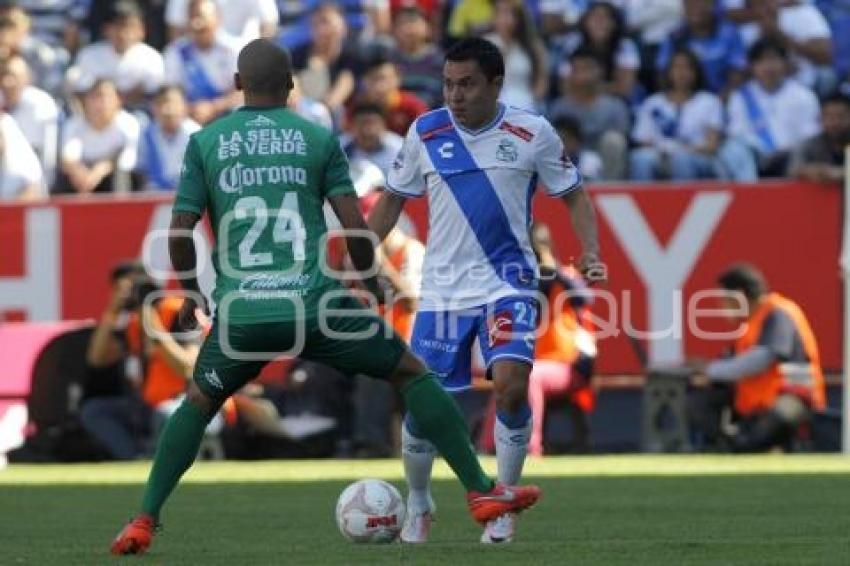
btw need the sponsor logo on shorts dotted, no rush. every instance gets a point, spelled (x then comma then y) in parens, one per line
(501, 329)
(438, 345)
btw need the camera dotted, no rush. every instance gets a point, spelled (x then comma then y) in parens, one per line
(142, 287)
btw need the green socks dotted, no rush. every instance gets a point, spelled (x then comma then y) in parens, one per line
(177, 448)
(438, 419)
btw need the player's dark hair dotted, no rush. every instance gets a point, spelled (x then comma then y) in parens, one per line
(569, 125)
(484, 52)
(745, 278)
(764, 47)
(265, 68)
(364, 108)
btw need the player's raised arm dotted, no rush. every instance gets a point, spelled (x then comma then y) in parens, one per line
(385, 214)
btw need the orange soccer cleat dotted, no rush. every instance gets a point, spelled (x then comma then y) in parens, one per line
(135, 537)
(500, 500)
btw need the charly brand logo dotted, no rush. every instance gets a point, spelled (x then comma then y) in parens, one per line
(446, 150)
(507, 151)
(234, 178)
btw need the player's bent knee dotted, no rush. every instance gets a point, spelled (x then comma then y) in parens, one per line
(409, 368)
(207, 405)
(511, 394)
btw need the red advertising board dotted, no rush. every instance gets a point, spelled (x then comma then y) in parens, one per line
(662, 243)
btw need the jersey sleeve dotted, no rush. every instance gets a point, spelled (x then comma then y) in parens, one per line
(337, 180)
(192, 190)
(405, 176)
(552, 164)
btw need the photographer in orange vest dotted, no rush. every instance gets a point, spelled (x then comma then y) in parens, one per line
(773, 374)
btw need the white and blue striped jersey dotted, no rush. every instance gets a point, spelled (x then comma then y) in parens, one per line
(479, 186)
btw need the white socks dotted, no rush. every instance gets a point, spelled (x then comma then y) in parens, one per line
(418, 455)
(511, 448)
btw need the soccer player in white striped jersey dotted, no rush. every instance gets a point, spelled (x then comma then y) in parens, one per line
(479, 162)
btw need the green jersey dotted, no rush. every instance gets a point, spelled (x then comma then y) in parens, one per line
(263, 175)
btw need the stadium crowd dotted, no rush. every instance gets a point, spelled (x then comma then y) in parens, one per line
(102, 95)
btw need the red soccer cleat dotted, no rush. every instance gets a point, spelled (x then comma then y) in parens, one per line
(135, 537)
(500, 500)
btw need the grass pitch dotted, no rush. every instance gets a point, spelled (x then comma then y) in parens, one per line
(598, 510)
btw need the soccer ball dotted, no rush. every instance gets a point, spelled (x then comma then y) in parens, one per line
(370, 511)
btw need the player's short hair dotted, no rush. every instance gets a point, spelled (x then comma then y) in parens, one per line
(482, 51)
(265, 68)
(367, 108)
(569, 125)
(765, 47)
(746, 278)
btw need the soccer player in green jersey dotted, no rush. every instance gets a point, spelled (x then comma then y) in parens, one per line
(262, 174)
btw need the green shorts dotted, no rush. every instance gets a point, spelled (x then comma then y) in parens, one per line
(351, 339)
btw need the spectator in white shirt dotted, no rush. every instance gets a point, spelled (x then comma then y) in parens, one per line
(771, 115)
(34, 111)
(136, 68)
(653, 20)
(242, 20)
(369, 137)
(20, 172)
(99, 148)
(57, 22)
(308, 108)
(203, 63)
(679, 129)
(47, 63)
(799, 26)
(587, 161)
(164, 141)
